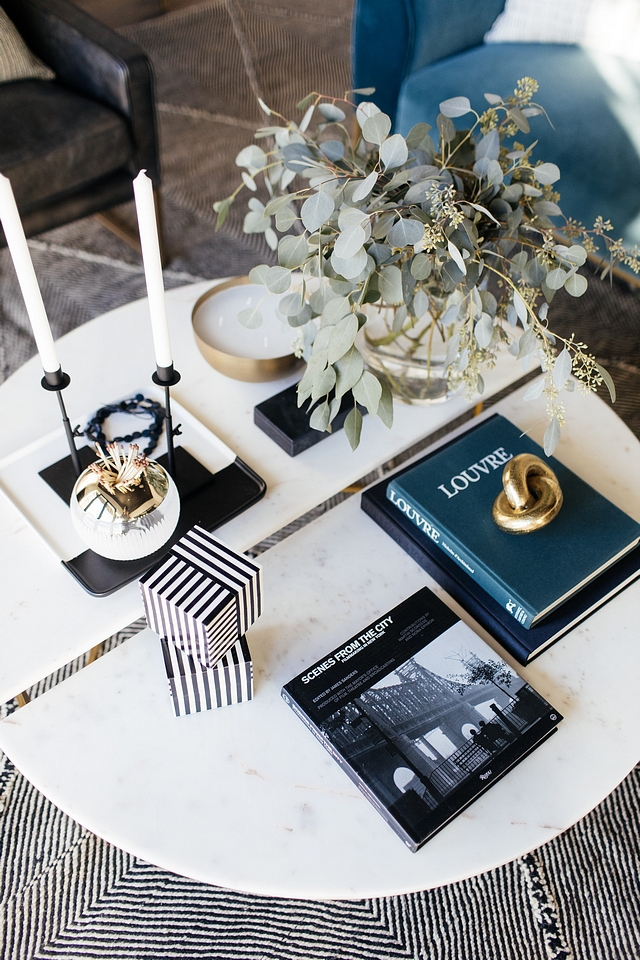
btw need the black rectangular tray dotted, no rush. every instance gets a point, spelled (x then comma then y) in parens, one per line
(207, 499)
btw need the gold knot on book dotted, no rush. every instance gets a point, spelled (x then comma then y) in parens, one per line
(531, 497)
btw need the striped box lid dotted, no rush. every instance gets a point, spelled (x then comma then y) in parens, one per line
(195, 688)
(202, 595)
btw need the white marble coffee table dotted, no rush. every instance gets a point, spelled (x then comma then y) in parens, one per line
(244, 797)
(46, 618)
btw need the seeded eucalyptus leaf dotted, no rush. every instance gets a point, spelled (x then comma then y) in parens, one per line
(334, 408)
(364, 189)
(333, 150)
(409, 283)
(394, 152)
(364, 91)
(349, 370)
(368, 391)
(417, 134)
(316, 210)
(405, 233)
(535, 390)
(277, 203)
(291, 305)
(335, 310)
(455, 107)
(255, 222)
(342, 337)
(250, 318)
(252, 157)
(293, 154)
(376, 128)
(547, 208)
(483, 330)
(293, 251)
(381, 252)
(420, 304)
(382, 225)
(352, 267)
(390, 285)
(222, 209)
(576, 285)
(330, 112)
(301, 318)
(519, 119)
(349, 242)
(546, 173)
(419, 192)
(285, 218)
(492, 98)
(353, 427)
(456, 256)
(277, 280)
(446, 128)
(521, 308)
(562, 369)
(319, 419)
(551, 436)
(399, 318)
(555, 279)
(527, 344)
(535, 272)
(608, 382)
(385, 406)
(323, 383)
(488, 147)
(259, 274)
(452, 276)
(421, 266)
(575, 254)
(365, 110)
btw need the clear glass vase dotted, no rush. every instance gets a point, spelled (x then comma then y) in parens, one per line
(412, 364)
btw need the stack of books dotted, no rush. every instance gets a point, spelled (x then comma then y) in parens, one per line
(527, 590)
(200, 599)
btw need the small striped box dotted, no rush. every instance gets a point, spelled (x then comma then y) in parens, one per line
(195, 688)
(202, 595)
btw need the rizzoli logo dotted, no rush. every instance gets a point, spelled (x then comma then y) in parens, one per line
(493, 461)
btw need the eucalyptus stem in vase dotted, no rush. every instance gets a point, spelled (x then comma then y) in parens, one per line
(406, 263)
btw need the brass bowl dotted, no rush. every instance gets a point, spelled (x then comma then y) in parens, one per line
(256, 355)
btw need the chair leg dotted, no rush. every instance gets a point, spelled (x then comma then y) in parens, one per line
(131, 237)
(119, 229)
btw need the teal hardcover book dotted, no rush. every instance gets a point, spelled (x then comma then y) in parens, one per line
(449, 497)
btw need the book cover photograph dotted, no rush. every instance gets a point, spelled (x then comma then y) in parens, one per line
(421, 713)
(449, 496)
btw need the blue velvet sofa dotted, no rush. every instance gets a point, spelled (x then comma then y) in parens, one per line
(417, 53)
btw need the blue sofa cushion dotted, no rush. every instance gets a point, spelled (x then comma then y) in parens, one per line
(593, 111)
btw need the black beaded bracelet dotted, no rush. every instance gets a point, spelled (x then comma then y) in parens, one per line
(137, 406)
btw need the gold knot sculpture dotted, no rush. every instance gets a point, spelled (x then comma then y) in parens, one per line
(531, 497)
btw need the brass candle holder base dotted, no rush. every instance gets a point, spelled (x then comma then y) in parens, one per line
(531, 497)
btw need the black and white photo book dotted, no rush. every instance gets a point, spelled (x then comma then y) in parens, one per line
(421, 713)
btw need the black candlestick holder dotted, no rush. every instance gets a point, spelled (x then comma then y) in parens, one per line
(167, 377)
(57, 382)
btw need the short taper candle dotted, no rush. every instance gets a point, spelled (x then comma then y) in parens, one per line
(149, 241)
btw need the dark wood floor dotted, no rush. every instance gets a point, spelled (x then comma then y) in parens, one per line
(118, 13)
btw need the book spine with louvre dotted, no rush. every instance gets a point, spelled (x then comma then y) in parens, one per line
(450, 545)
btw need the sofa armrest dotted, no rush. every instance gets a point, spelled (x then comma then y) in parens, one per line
(392, 38)
(94, 60)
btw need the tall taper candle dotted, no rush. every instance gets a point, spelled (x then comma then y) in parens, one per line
(148, 227)
(17, 243)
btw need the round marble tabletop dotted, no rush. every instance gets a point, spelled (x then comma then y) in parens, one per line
(111, 357)
(245, 797)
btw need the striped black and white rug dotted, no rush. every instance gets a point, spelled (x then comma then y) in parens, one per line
(66, 894)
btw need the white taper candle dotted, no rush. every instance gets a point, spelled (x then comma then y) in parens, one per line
(148, 227)
(17, 243)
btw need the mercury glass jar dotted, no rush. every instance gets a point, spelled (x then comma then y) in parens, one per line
(125, 524)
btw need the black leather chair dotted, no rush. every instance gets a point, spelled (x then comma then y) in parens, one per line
(72, 146)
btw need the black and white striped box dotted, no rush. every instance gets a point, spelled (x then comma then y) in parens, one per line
(195, 688)
(202, 595)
